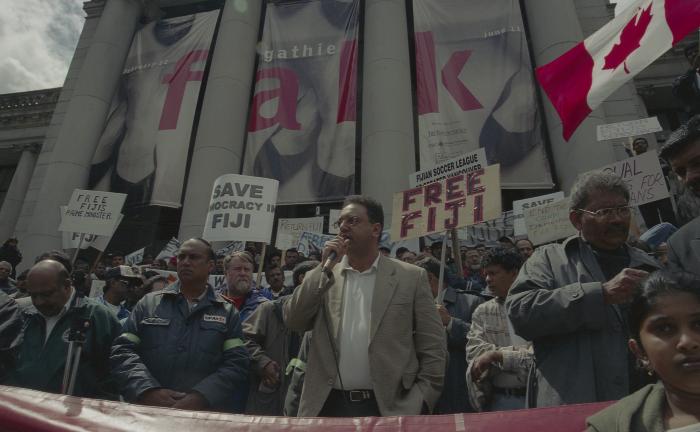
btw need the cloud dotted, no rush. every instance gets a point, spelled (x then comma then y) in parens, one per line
(37, 41)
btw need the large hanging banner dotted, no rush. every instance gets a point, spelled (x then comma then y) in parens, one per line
(302, 120)
(476, 88)
(144, 146)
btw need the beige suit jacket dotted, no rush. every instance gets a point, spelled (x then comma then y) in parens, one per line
(407, 348)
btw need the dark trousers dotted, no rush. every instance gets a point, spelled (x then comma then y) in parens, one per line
(339, 404)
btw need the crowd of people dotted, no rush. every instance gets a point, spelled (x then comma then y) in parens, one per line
(361, 333)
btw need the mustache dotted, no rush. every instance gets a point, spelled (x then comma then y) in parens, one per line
(617, 228)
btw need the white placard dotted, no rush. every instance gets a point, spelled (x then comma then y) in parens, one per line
(464, 164)
(135, 258)
(72, 240)
(628, 128)
(333, 217)
(312, 242)
(644, 177)
(169, 250)
(92, 212)
(549, 222)
(241, 208)
(289, 230)
(520, 205)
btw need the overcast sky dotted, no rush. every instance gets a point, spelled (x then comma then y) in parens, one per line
(37, 40)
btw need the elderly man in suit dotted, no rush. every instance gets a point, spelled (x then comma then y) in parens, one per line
(682, 151)
(379, 347)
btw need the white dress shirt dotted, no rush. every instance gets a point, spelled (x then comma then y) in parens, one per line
(354, 326)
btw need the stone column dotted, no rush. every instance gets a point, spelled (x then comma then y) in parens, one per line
(550, 38)
(388, 147)
(218, 147)
(12, 206)
(82, 126)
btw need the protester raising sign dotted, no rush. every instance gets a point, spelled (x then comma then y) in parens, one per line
(241, 208)
(644, 177)
(465, 199)
(92, 212)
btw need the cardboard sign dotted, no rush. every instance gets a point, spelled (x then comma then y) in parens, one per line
(92, 212)
(289, 230)
(462, 200)
(72, 240)
(312, 242)
(520, 205)
(628, 128)
(241, 208)
(135, 257)
(170, 249)
(644, 178)
(333, 217)
(464, 164)
(487, 232)
(549, 222)
(237, 246)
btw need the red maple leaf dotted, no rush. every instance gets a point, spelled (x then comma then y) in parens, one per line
(629, 40)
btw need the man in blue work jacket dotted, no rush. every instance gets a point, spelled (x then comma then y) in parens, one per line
(182, 347)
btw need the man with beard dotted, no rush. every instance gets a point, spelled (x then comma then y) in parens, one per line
(182, 347)
(682, 151)
(238, 288)
(570, 300)
(473, 273)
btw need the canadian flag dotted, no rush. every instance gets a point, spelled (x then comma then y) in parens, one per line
(583, 77)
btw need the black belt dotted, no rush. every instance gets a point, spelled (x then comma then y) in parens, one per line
(356, 396)
(520, 391)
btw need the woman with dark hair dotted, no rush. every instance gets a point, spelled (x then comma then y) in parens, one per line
(664, 323)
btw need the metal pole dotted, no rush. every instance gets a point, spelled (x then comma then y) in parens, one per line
(442, 267)
(74, 371)
(68, 367)
(260, 266)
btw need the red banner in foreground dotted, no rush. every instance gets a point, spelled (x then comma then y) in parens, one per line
(28, 410)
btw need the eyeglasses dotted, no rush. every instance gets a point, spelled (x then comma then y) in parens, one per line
(350, 221)
(623, 211)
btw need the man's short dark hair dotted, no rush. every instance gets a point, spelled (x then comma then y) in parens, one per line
(57, 255)
(210, 249)
(680, 138)
(431, 265)
(400, 251)
(302, 268)
(272, 267)
(508, 259)
(596, 181)
(291, 250)
(375, 213)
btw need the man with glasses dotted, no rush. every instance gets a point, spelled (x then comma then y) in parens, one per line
(118, 282)
(571, 299)
(378, 345)
(182, 347)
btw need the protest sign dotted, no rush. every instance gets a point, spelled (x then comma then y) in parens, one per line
(628, 128)
(520, 205)
(487, 232)
(333, 217)
(135, 258)
(71, 240)
(169, 250)
(92, 212)
(312, 242)
(289, 230)
(462, 200)
(236, 246)
(464, 164)
(241, 208)
(644, 178)
(549, 222)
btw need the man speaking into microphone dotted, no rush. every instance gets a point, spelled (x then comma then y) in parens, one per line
(379, 346)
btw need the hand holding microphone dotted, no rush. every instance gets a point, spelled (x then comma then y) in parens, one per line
(333, 252)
